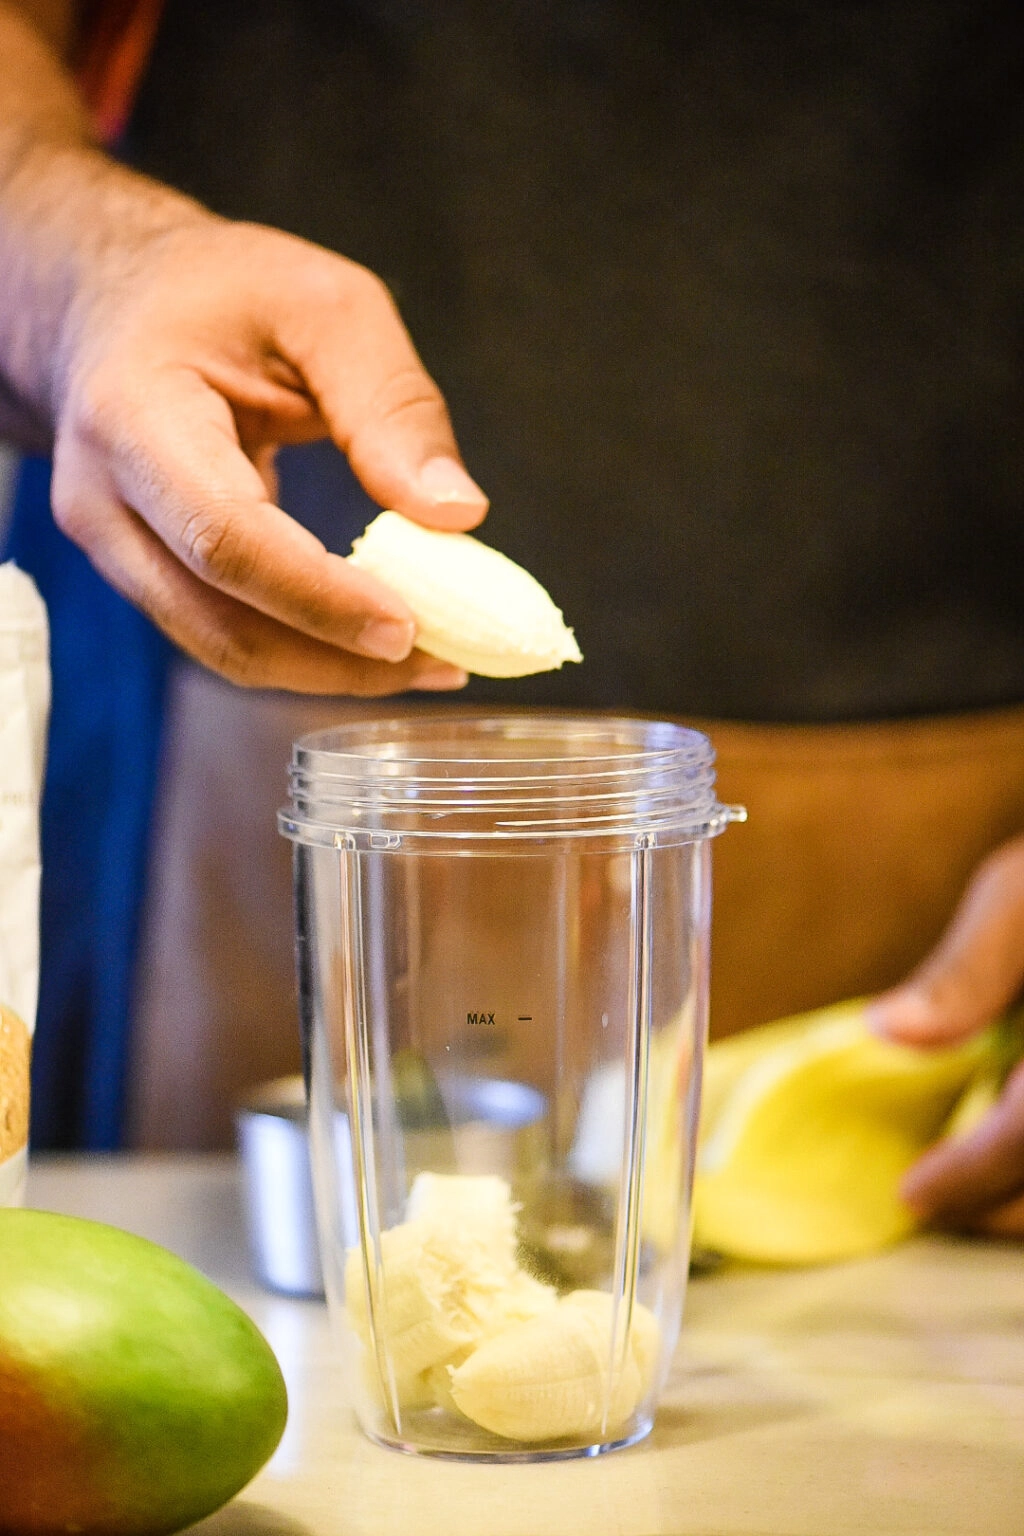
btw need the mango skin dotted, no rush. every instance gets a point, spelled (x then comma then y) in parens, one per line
(135, 1397)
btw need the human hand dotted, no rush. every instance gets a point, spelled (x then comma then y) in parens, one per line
(975, 1182)
(167, 353)
(178, 377)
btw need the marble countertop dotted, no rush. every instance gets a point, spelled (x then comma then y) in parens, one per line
(883, 1396)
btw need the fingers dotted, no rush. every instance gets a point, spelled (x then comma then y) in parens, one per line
(383, 409)
(264, 460)
(243, 644)
(976, 1181)
(1006, 1220)
(233, 341)
(177, 462)
(977, 968)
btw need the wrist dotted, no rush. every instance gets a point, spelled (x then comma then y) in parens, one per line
(74, 227)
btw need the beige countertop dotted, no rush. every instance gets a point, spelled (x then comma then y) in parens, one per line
(885, 1396)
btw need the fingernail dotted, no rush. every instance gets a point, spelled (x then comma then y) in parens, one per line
(444, 480)
(901, 1015)
(438, 675)
(387, 639)
(876, 1019)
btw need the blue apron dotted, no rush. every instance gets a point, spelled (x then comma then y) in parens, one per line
(110, 669)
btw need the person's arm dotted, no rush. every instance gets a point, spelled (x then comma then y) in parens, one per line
(973, 975)
(166, 354)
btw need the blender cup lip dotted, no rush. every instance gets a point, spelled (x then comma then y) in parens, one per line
(465, 775)
(375, 741)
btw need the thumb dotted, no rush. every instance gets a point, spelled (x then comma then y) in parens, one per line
(380, 405)
(975, 971)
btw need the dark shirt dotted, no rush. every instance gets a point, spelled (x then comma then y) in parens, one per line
(726, 300)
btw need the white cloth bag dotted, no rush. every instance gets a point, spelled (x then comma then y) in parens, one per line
(24, 711)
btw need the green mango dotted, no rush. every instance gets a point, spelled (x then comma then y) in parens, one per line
(135, 1397)
(809, 1126)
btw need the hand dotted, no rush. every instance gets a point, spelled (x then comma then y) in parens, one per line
(970, 978)
(179, 375)
(167, 353)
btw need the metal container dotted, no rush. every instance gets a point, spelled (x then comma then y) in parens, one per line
(272, 1138)
(271, 1126)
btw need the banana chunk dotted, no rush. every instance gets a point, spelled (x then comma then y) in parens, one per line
(423, 1306)
(481, 1202)
(473, 606)
(450, 1281)
(456, 1323)
(550, 1378)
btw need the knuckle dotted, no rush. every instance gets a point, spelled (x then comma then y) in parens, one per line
(378, 680)
(99, 409)
(362, 287)
(334, 281)
(360, 686)
(69, 505)
(215, 549)
(405, 394)
(76, 495)
(226, 653)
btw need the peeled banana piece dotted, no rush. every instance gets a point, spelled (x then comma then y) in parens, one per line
(808, 1130)
(434, 1286)
(458, 1324)
(551, 1378)
(482, 1201)
(450, 1280)
(473, 606)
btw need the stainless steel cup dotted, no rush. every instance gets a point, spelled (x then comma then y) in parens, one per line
(271, 1126)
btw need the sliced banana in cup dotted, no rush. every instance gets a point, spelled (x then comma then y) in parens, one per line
(459, 1325)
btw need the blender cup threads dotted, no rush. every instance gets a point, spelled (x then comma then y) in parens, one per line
(502, 937)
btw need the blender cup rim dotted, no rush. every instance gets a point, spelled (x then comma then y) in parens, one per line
(374, 741)
(464, 775)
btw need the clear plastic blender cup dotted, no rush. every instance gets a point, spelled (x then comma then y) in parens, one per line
(502, 936)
